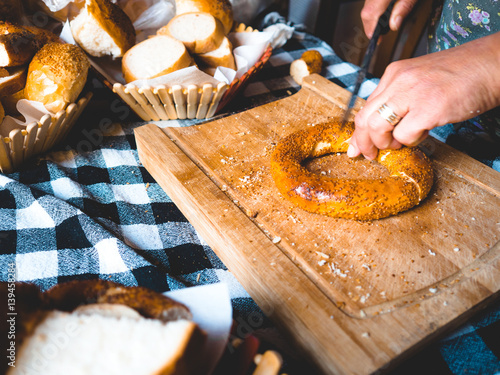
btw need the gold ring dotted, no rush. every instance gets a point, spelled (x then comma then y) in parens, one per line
(388, 115)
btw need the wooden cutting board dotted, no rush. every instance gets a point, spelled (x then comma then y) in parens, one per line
(356, 297)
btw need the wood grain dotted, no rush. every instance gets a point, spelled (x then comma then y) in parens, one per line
(355, 296)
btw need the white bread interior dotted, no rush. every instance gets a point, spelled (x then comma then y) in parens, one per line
(200, 32)
(222, 56)
(153, 57)
(95, 343)
(220, 9)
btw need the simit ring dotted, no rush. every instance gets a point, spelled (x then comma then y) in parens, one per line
(388, 114)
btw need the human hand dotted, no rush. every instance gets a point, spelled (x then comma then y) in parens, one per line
(373, 9)
(428, 91)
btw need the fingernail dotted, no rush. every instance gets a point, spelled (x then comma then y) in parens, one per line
(397, 22)
(351, 151)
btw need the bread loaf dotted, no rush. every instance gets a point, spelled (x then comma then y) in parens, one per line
(102, 28)
(103, 341)
(57, 75)
(200, 32)
(154, 57)
(220, 9)
(310, 62)
(18, 44)
(222, 56)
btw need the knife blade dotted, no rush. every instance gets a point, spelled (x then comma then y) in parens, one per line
(381, 28)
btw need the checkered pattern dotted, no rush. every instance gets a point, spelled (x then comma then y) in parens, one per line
(91, 210)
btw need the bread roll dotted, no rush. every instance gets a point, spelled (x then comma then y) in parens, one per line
(102, 28)
(154, 57)
(310, 62)
(200, 32)
(57, 75)
(14, 81)
(220, 9)
(18, 44)
(222, 56)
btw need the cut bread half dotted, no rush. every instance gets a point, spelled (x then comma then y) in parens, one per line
(310, 62)
(154, 57)
(222, 56)
(102, 28)
(108, 339)
(220, 9)
(200, 32)
(14, 81)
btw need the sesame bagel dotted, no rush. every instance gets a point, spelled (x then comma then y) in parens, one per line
(410, 176)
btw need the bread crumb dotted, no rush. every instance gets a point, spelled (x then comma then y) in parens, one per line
(321, 262)
(365, 334)
(456, 249)
(276, 239)
(433, 290)
(432, 253)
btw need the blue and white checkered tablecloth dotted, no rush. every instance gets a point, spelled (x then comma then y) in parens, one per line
(89, 209)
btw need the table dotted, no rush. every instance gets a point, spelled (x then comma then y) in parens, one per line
(89, 209)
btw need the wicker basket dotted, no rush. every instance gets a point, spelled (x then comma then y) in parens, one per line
(175, 102)
(40, 136)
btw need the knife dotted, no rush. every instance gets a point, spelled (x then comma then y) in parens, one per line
(381, 28)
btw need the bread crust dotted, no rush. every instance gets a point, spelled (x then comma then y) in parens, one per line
(114, 21)
(220, 9)
(150, 304)
(410, 180)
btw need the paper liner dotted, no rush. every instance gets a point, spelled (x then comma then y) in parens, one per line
(35, 137)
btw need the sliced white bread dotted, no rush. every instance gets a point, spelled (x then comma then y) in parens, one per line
(222, 56)
(200, 32)
(102, 28)
(220, 9)
(154, 57)
(109, 340)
